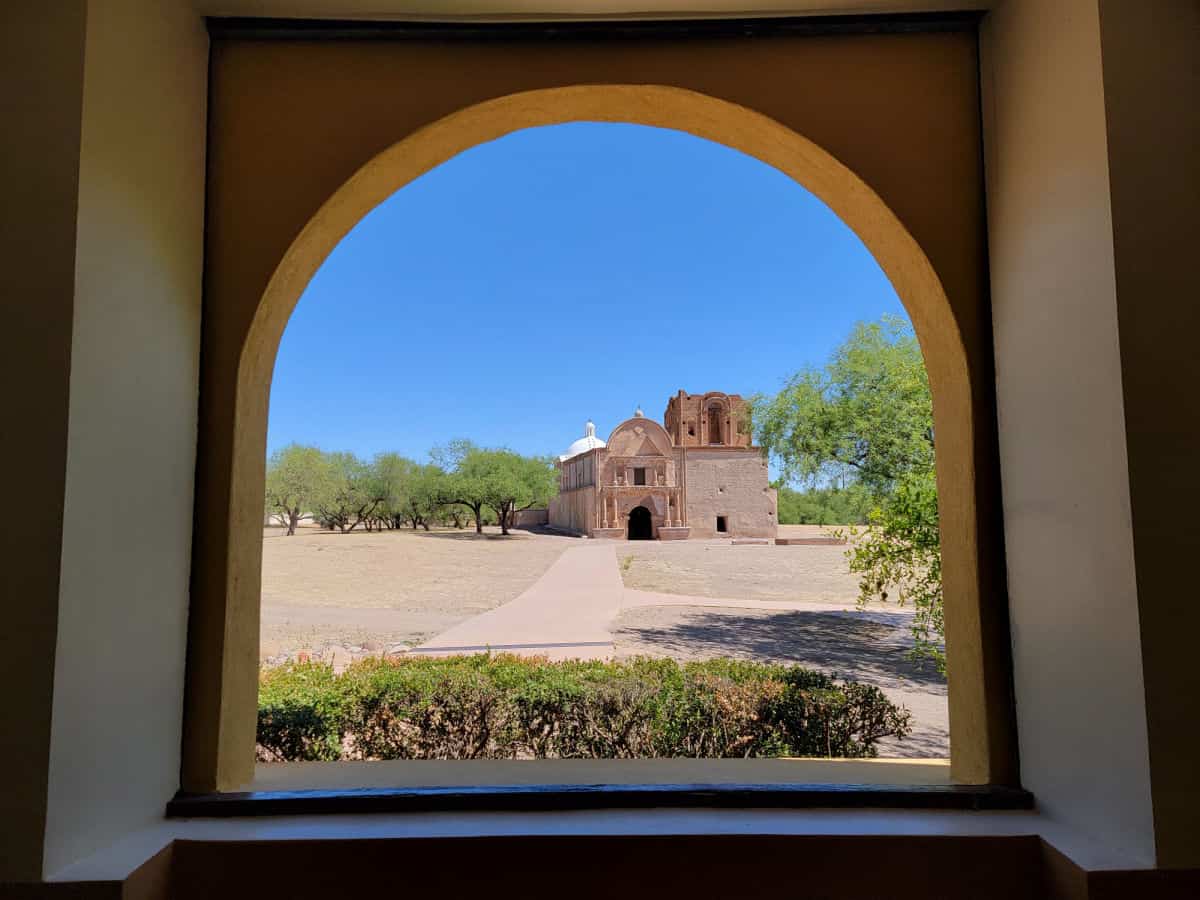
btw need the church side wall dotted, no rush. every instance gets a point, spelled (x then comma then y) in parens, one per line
(731, 484)
(572, 510)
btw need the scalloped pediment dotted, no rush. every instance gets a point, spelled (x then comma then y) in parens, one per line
(639, 437)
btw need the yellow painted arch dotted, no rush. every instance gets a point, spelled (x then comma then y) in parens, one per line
(897, 252)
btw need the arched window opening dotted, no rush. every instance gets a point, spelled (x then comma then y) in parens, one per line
(670, 508)
(417, 504)
(715, 423)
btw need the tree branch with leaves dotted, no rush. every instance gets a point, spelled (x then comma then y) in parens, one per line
(868, 414)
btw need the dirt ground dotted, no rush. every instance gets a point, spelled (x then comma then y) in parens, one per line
(720, 569)
(340, 597)
(363, 593)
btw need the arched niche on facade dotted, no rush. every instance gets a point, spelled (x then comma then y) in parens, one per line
(717, 424)
(223, 660)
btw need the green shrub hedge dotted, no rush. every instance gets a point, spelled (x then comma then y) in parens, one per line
(508, 707)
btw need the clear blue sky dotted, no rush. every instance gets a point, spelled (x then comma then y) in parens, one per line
(562, 273)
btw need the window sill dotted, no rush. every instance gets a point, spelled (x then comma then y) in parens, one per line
(556, 797)
(540, 786)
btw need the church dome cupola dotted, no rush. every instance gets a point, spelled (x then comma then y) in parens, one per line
(589, 441)
(638, 414)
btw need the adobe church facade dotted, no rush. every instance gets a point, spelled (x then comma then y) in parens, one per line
(695, 476)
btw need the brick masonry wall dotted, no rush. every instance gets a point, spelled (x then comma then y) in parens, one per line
(733, 484)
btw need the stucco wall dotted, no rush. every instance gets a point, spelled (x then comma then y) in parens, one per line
(572, 510)
(1072, 590)
(1047, 198)
(118, 678)
(1151, 54)
(529, 518)
(730, 484)
(41, 96)
(895, 150)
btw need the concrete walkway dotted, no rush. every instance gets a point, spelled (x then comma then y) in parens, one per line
(572, 610)
(567, 614)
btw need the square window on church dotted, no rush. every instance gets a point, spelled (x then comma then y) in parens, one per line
(639, 476)
(721, 527)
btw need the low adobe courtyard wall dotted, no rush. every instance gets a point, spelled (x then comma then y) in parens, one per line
(530, 518)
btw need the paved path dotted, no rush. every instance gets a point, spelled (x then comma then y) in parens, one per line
(567, 614)
(571, 611)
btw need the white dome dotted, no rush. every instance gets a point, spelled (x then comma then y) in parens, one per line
(589, 441)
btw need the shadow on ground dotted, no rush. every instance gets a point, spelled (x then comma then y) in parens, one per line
(864, 647)
(470, 536)
(870, 647)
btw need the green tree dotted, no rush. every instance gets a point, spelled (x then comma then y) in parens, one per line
(499, 480)
(868, 414)
(391, 469)
(411, 491)
(900, 555)
(450, 455)
(425, 495)
(297, 477)
(460, 486)
(352, 493)
(516, 482)
(454, 515)
(850, 505)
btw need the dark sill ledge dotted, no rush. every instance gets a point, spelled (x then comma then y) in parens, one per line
(552, 797)
(581, 28)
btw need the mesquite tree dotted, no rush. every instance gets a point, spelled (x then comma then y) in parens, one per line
(866, 418)
(353, 494)
(297, 477)
(500, 480)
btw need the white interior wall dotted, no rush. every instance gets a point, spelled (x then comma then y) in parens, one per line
(126, 536)
(1073, 597)
(118, 685)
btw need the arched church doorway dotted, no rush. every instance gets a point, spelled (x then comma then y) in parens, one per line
(640, 528)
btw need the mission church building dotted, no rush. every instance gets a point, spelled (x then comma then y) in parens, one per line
(695, 476)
